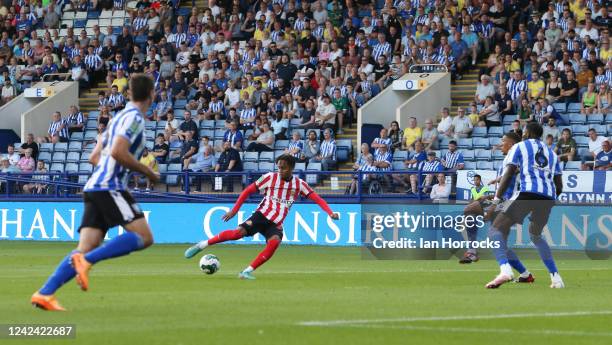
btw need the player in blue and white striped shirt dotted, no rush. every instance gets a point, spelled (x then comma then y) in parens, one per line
(107, 201)
(539, 175)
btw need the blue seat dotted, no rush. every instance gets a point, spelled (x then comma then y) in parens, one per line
(313, 178)
(600, 129)
(573, 108)
(85, 167)
(468, 155)
(581, 141)
(507, 128)
(484, 165)
(46, 147)
(496, 131)
(481, 143)
(595, 119)
(161, 124)
(469, 165)
(478, 132)
(300, 166)
(90, 135)
(60, 147)
(173, 179)
(400, 156)
(93, 115)
(281, 144)
(57, 167)
(219, 134)
(608, 119)
(75, 136)
(572, 166)
(163, 168)
(498, 155)
(559, 107)
(579, 129)
(343, 149)
(266, 156)
(497, 165)
(577, 119)
(483, 155)
(494, 142)
(294, 122)
(508, 119)
(71, 167)
(250, 166)
(251, 156)
(85, 157)
(73, 157)
(207, 124)
(210, 133)
(444, 143)
(59, 157)
(265, 166)
(465, 143)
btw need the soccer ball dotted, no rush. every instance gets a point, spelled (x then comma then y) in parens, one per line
(210, 264)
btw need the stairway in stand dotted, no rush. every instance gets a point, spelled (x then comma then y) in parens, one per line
(462, 91)
(88, 100)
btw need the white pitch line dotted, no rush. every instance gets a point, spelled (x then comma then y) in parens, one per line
(451, 318)
(556, 332)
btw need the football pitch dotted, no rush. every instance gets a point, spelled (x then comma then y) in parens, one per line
(306, 295)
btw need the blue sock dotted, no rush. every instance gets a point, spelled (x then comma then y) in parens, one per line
(118, 246)
(63, 273)
(545, 253)
(514, 261)
(500, 252)
(472, 233)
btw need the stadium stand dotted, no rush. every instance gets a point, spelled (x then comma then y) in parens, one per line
(302, 66)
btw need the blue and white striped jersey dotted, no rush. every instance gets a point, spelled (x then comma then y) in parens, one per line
(299, 145)
(109, 174)
(537, 165)
(512, 187)
(385, 141)
(384, 157)
(433, 166)
(328, 149)
(452, 159)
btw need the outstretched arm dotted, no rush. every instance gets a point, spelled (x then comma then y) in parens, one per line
(241, 199)
(323, 204)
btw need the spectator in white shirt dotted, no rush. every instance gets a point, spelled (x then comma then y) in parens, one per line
(440, 191)
(12, 156)
(595, 142)
(484, 89)
(325, 115)
(445, 124)
(462, 125)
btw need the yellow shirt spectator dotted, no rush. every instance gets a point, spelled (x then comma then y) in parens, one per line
(474, 118)
(604, 54)
(121, 83)
(513, 66)
(150, 161)
(536, 88)
(578, 11)
(259, 34)
(412, 134)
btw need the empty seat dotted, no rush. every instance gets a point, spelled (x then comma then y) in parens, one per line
(46, 147)
(173, 174)
(300, 166)
(90, 135)
(468, 155)
(266, 157)
(483, 155)
(496, 131)
(57, 167)
(265, 166)
(85, 167)
(608, 119)
(470, 165)
(580, 129)
(444, 142)
(560, 107)
(207, 133)
(207, 124)
(497, 165)
(400, 156)
(573, 108)
(75, 136)
(60, 147)
(577, 119)
(294, 122)
(85, 157)
(71, 168)
(572, 166)
(479, 132)
(73, 156)
(398, 165)
(251, 156)
(465, 143)
(494, 141)
(150, 125)
(480, 143)
(281, 144)
(484, 165)
(313, 178)
(59, 157)
(250, 166)
(581, 141)
(508, 119)
(219, 134)
(161, 124)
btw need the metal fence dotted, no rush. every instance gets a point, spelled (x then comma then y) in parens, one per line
(345, 186)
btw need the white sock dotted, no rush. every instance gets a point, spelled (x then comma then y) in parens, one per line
(506, 269)
(202, 244)
(525, 274)
(248, 269)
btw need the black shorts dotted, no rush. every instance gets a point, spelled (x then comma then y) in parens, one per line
(538, 206)
(261, 224)
(107, 209)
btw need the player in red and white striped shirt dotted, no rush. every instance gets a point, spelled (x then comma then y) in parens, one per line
(280, 190)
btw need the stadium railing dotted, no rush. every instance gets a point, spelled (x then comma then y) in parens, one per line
(211, 186)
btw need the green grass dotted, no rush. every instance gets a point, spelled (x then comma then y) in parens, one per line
(158, 297)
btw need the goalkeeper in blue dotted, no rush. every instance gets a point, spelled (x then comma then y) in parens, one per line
(107, 203)
(538, 174)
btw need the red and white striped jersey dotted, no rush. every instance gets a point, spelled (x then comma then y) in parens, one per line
(279, 195)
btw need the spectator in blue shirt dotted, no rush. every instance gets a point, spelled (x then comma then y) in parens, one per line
(234, 136)
(603, 160)
(460, 53)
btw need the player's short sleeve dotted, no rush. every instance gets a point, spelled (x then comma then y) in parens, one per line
(129, 127)
(460, 158)
(304, 188)
(516, 157)
(264, 181)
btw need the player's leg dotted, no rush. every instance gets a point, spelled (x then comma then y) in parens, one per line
(272, 244)
(224, 236)
(498, 233)
(471, 255)
(524, 275)
(89, 239)
(539, 218)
